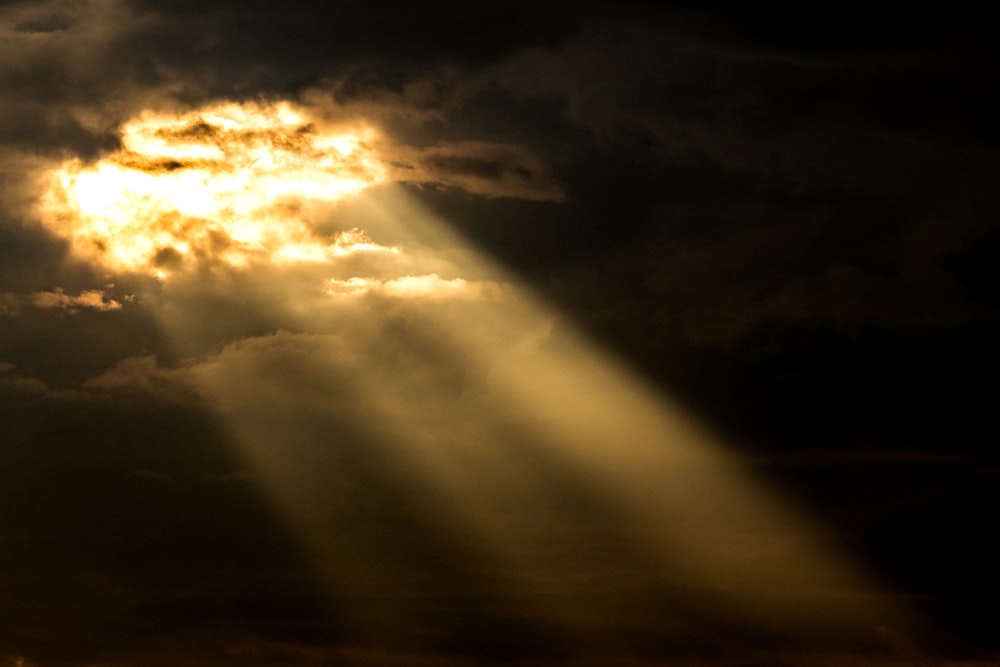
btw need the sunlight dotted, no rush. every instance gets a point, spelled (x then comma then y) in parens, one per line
(567, 471)
(685, 495)
(222, 184)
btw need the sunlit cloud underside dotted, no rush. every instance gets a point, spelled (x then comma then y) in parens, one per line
(219, 184)
(459, 375)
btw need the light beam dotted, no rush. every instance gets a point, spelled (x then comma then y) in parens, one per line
(459, 381)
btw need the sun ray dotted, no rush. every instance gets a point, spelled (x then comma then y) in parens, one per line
(479, 359)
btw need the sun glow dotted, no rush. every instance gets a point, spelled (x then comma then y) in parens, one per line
(221, 184)
(539, 448)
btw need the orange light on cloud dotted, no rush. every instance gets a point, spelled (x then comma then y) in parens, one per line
(484, 400)
(221, 184)
(429, 286)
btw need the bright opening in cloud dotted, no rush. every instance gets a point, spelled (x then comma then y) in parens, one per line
(221, 184)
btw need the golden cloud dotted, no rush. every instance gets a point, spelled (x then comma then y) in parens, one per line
(231, 184)
(90, 299)
(221, 184)
(11, 303)
(429, 286)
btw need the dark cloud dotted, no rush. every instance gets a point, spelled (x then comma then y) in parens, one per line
(492, 170)
(121, 525)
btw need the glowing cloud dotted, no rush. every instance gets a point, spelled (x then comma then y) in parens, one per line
(221, 184)
(430, 286)
(92, 299)
(11, 303)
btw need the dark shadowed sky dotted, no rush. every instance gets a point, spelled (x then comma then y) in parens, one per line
(419, 334)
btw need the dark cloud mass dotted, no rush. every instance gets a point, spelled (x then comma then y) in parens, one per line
(667, 337)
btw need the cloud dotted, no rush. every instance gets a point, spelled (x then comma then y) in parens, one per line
(491, 170)
(12, 303)
(89, 299)
(312, 371)
(51, 54)
(237, 183)
(430, 286)
(28, 384)
(22, 384)
(143, 375)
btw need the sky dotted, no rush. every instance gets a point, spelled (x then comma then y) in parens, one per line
(419, 334)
